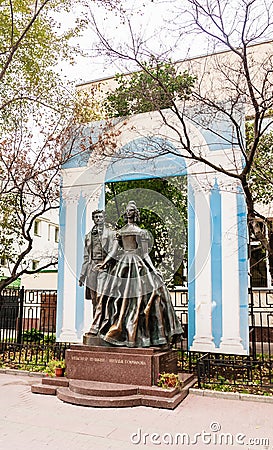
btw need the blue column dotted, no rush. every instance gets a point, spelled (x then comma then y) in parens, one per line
(243, 267)
(191, 263)
(81, 231)
(216, 262)
(61, 253)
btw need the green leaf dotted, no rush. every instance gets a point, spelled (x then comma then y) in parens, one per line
(157, 87)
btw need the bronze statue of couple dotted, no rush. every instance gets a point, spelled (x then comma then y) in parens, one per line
(132, 305)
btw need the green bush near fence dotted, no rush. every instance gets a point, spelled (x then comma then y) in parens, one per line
(37, 336)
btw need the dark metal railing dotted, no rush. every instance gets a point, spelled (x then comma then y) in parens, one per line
(234, 371)
(28, 326)
(254, 371)
(260, 318)
(25, 355)
(27, 315)
(261, 322)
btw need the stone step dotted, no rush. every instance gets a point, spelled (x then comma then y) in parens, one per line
(163, 402)
(66, 395)
(43, 389)
(185, 378)
(156, 391)
(49, 385)
(93, 394)
(96, 386)
(168, 402)
(99, 389)
(101, 394)
(56, 381)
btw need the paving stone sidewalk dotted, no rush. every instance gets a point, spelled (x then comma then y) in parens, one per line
(36, 422)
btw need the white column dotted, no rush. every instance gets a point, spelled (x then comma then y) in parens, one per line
(92, 195)
(68, 331)
(203, 340)
(88, 315)
(231, 341)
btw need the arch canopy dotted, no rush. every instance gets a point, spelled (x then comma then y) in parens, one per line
(137, 160)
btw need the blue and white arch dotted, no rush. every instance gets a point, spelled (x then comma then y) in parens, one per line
(217, 231)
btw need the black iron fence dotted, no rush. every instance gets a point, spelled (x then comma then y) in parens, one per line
(234, 371)
(255, 370)
(28, 326)
(27, 316)
(260, 318)
(27, 333)
(261, 323)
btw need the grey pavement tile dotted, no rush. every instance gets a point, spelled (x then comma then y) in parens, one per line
(36, 422)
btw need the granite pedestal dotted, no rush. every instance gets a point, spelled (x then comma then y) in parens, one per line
(106, 376)
(139, 366)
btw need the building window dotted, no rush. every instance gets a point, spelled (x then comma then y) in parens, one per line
(56, 234)
(259, 261)
(258, 266)
(3, 261)
(37, 228)
(35, 264)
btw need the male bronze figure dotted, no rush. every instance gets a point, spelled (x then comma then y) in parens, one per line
(98, 243)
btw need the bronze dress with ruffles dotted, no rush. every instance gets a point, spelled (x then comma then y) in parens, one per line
(135, 307)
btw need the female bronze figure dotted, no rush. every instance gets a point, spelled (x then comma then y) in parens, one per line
(135, 308)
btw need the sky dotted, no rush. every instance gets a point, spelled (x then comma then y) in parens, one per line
(147, 19)
(157, 23)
